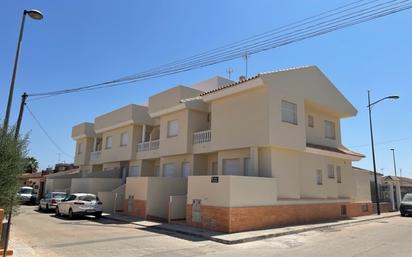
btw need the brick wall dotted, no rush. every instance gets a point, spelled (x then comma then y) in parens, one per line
(252, 218)
(138, 208)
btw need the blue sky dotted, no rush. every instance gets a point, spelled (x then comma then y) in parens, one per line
(83, 42)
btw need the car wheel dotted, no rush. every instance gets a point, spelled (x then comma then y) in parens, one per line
(58, 211)
(71, 214)
(40, 209)
(47, 207)
(403, 214)
(98, 215)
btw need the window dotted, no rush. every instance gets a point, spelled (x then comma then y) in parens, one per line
(79, 148)
(311, 121)
(124, 138)
(172, 128)
(169, 170)
(289, 112)
(331, 171)
(231, 166)
(108, 142)
(338, 174)
(319, 177)
(246, 166)
(134, 171)
(330, 130)
(185, 169)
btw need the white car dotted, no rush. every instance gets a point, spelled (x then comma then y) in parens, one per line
(51, 200)
(79, 204)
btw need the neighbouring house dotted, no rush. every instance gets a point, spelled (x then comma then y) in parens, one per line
(230, 156)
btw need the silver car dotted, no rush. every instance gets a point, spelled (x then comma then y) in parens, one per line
(50, 200)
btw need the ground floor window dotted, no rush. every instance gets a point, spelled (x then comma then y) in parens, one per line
(134, 171)
(247, 167)
(185, 169)
(169, 170)
(231, 166)
(319, 179)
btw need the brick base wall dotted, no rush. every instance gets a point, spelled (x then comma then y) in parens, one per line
(138, 208)
(251, 218)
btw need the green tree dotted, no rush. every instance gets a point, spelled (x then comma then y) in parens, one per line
(31, 165)
(12, 161)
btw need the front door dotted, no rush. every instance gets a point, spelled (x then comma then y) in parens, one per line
(185, 169)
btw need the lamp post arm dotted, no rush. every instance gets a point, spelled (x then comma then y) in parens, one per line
(13, 78)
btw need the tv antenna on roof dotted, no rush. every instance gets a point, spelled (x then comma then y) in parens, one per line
(229, 72)
(246, 58)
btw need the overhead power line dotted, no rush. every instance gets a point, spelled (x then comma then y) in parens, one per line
(47, 134)
(344, 16)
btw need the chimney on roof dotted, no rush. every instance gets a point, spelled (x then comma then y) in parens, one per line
(242, 78)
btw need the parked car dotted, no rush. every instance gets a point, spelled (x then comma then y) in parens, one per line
(50, 200)
(80, 204)
(406, 205)
(26, 195)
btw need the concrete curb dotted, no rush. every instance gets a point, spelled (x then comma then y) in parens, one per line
(260, 237)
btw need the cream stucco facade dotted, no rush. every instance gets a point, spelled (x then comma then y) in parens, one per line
(269, 140)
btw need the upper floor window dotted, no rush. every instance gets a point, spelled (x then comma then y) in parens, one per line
(311, 122)
(319, 177)
(289, 112)
(124, 138)
(331, 171)
(79, 148)
(339, 174)
(330, 130)
(108, 142)
(172, 128)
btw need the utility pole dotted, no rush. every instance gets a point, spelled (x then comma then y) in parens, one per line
(394, 162)
(19, 119)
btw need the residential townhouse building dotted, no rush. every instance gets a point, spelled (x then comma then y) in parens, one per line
(232, 156)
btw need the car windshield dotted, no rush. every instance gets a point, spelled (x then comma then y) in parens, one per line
(88, 198)
(25, 190)
(59, 195)
(407, 198)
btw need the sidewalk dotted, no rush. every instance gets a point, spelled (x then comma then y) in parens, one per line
(242, 237)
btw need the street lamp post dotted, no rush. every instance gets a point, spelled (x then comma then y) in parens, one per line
(370, 105)
(394, 162)
(36, 15)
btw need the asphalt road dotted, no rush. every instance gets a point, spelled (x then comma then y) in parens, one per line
(43, 234)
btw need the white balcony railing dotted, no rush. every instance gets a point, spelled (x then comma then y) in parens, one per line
(94, 156)
(202, 137)
(148, 146)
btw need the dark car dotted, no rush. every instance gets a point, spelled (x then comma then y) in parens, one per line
(406, 205)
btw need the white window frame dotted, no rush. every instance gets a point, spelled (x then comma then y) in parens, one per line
(311, 121)
(319, 177)
(289, 112)
(330, 129)
(108, 142)
(170, 129)
(339, 174)
(331, 171)
(124, 139)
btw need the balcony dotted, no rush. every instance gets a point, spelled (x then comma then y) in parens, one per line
(202, 137)
(201, 141)
(95, 156)
(148, 146)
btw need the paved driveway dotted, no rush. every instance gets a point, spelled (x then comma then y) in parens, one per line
(43, 234)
